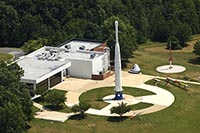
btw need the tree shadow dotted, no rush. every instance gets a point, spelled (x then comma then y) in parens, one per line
(195, 61)
(54, 107)
(77, 117)
(116, 119)
(38, 100)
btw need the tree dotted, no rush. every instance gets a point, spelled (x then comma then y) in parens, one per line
(174, 43)
(55, 98)
(33, 45)
(197, 48)
(10, 81)
(182, 33)
(81, 108)
(121, 109)
(9, 20)
(127, 38)
(12, 117)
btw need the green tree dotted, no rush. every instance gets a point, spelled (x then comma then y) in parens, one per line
(9, 19)
(54, 98)
(182, 33)
(197, 48)
(12, 117)
(121, 109)
(127, 36)
(10, 80)
(81, 108)
(33, 45)
(174, 43)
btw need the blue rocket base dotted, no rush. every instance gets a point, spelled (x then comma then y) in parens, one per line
(118, 95)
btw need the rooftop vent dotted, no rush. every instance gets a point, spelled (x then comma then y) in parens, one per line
(82, 47)
(68, 46)
(92, 55)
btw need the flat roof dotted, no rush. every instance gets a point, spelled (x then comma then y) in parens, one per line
(47, 61)
(75, 44)
(35, 70)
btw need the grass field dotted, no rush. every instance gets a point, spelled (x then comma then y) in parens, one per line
(95, 96)
(151, 55)
(182, 116)
(5, 57)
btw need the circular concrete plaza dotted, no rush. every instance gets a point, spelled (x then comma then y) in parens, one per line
(160, 100)
(170, 69)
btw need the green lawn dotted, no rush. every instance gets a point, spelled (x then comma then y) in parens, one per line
(61, 108)
(5, 57)
(151, 55)
(140, 106)
(181, 117)
(95, 96)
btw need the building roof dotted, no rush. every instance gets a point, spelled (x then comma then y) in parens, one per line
(77, 43)
(47, 61)
(36, 70)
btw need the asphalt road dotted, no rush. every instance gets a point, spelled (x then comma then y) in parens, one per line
(13, 51)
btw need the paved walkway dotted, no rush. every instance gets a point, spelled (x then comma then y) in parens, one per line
(75, 87)
(47, 114)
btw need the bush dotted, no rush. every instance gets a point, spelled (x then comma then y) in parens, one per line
(121, 109)
(81, 108)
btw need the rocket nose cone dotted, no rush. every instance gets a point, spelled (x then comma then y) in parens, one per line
(116, 22)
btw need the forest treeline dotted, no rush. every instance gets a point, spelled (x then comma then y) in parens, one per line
(58, 21)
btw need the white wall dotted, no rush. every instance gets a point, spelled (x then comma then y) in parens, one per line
(80, 68)
(97, 65)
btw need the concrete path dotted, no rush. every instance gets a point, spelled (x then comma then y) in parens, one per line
(47, 114)
(162, 98)
(53, 115)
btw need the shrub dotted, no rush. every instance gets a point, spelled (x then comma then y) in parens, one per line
(121, 109)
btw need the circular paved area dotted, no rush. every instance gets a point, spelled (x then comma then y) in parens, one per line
(75, 87)
(161, 100)
(167, 69)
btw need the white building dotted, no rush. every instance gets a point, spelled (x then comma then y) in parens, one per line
(47, 66)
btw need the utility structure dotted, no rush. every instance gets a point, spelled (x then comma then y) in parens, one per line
(118, 76)
(170, 56)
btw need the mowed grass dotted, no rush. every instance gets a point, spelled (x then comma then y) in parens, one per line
(151, 55)
(94, 97)
(5, 57)
(140, 106)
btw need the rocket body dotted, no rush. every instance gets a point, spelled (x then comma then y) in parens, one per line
(118, 76)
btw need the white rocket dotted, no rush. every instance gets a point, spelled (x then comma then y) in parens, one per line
(118, 76)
